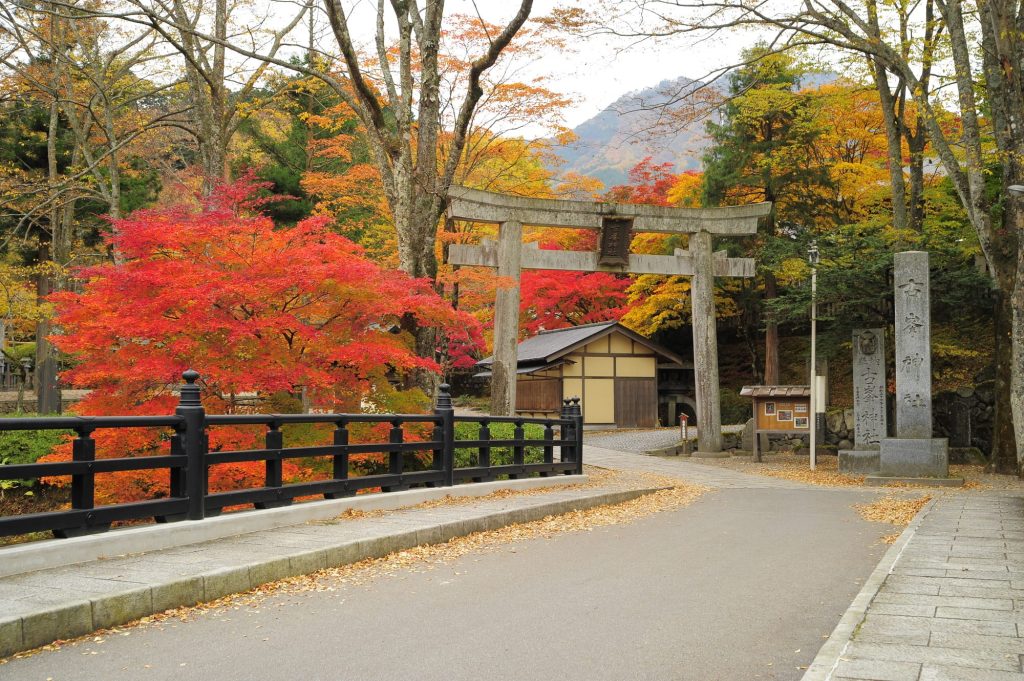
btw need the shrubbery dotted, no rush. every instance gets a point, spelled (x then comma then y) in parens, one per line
(27, 446)
(500, 456)
(736, 409)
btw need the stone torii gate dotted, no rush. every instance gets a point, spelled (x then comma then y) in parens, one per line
(616, 224)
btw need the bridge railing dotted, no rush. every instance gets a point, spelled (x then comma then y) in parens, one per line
(188, 459)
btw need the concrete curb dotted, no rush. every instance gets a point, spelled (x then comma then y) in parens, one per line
(664, 451)
(72, 619)
(827, 659)
(47, 554)
(880, 481)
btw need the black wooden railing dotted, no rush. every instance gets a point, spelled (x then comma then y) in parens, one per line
(189, 459)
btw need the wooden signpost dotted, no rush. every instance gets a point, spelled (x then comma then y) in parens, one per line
(616, 223)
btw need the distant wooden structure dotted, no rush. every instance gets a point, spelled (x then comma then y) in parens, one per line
(614, 371)
(779, 410)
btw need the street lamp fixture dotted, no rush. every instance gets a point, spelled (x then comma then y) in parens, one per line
(813, 257)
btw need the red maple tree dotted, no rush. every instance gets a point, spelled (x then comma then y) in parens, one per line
(554, 299)
(260, 311)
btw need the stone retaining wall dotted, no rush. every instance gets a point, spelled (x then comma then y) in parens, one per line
(964, 415)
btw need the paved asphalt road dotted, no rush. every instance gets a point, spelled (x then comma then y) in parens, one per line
(743, 584)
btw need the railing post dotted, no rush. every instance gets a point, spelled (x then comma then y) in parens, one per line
(549, 447)
(190, 408)
(484, 452)
(446, 411)
(437, 453)
(178, 488)
(395, 456)
(565, 432)
(274, 474)
(340, 463)
(577, 415)
(83, 485)
(178, 478)
(519, 449)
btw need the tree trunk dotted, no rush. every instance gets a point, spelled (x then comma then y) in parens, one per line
(1017, 338)
(771, 334)
(916, 143)
(48, 397)
(1004, 449)
(894, 145)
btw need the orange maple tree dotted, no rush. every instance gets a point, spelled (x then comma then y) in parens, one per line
(259, 311)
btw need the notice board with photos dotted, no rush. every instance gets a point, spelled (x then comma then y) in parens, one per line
(780, 408)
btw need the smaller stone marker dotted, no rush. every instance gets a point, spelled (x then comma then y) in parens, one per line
(913, 453)
(869, 409)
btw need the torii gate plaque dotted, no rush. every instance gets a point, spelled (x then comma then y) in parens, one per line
(616, 224)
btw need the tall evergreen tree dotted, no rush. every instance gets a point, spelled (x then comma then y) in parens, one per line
(763, 149)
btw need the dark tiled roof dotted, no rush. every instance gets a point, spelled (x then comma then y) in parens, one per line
(547, 346)
(532, 369)
(547, 343)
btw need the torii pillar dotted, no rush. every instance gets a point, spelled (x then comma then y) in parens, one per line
(616, 224)
(506, 319)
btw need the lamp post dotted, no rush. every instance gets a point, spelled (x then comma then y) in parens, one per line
(813, 257)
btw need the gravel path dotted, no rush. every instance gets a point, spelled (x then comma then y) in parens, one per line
(642, 440)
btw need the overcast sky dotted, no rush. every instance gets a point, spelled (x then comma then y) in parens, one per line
(601, 69)
(598, 70)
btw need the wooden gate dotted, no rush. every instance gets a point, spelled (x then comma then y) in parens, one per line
(636, 402)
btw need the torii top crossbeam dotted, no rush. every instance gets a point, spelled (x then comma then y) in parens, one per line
(475, 205)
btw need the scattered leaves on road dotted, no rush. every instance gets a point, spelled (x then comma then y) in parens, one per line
(670, 494)
(596, 477)
(792, 467)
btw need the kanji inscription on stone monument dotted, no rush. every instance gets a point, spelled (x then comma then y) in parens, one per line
(913, 452)
(869, 413)
(913, 346)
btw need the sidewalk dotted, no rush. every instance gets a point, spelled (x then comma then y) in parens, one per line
(39, 607)
(945, 604)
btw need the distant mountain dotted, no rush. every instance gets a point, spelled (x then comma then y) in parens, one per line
(656, 121)
(665, 122)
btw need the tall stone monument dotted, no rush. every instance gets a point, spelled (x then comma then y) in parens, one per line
(869, 408)
(913, 452)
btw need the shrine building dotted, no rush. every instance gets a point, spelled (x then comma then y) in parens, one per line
(620, 375)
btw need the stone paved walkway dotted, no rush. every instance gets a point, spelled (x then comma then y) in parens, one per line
(687, 469)
(951, 606)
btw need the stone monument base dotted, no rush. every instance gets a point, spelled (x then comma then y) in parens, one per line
(859, 461)
(711, 455)
(914, 458)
